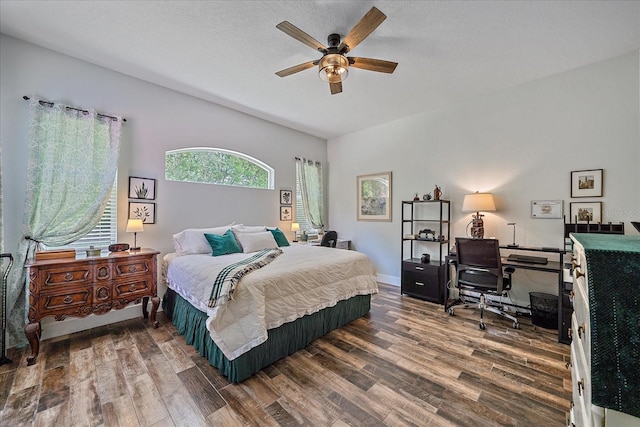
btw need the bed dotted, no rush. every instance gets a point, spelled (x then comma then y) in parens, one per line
(300, 295)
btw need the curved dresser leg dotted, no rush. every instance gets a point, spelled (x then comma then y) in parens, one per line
(32, 331)
(155, 303)
(145, 302)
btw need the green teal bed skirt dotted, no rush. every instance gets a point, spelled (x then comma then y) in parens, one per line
(281, 342)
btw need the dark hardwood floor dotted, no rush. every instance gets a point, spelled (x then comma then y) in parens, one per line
(407, 363)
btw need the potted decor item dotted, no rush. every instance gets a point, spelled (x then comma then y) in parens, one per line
(304, 237)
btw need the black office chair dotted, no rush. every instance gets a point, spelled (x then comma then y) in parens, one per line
(479, 269)
(330, 239)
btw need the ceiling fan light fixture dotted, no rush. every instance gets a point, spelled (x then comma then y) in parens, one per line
(333, 68)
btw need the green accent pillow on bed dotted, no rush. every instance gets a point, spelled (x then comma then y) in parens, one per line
(225, 244)
(279, 237)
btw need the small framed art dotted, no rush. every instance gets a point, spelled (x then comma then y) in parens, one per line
(583, 212)
(286, 197)
(373, 194)
(286, 213)
(144, 211)
(547, 209)
(587, 183)
(142, 188)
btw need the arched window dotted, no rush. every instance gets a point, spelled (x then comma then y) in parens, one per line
(217, 166)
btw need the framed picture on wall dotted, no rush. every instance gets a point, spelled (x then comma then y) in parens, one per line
(583, 212)
(286, 213)
(145, 211)
(286, 197)
(373, 194)
(587, 183)
(142, 188)
(547, 209)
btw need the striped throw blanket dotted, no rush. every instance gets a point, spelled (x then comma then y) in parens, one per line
(230, 275)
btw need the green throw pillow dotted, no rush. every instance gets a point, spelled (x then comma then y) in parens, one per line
(225, 244)
(279, 237)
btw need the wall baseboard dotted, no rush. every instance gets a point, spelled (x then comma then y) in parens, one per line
(389, 280)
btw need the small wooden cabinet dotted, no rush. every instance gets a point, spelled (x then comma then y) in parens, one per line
(70, 287)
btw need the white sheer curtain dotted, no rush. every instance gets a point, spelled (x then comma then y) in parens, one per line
(73, 158)
(312, 190)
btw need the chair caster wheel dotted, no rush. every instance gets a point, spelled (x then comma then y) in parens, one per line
(482, 326)
(451, 312)
(516, 325)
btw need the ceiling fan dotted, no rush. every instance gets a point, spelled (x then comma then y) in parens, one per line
(333, 66)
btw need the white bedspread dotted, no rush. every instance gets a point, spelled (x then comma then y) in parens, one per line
(303, 280)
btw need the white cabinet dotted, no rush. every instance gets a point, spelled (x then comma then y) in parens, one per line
(586, 382)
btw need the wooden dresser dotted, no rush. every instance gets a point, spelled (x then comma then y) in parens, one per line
(78, 287)
(605, 331)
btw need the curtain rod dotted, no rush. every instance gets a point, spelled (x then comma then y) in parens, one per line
(308, 160)
(51, 104)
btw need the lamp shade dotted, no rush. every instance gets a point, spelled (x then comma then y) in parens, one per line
(295, 226)
(477, 202)
(134, 226)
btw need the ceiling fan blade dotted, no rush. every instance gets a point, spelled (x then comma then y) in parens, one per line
(295, 32)
(296, 68)
(378, 65)
(335, 87)
(362, 29)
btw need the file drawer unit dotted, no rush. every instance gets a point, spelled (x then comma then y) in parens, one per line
(69, 287)
(425, 281)
(605, 345)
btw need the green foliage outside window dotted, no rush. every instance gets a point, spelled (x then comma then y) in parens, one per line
(217, 166)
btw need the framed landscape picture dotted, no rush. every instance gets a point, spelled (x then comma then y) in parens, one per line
(587, 183)
(373, 194)
(583, 212)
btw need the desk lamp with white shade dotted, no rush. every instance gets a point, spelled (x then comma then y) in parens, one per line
(295, 227)
(134, 225)
(478, 202)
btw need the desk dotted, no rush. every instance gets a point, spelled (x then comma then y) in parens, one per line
(556, 267)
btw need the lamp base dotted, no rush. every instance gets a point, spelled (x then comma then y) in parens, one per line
(477, 228)
(513, 246)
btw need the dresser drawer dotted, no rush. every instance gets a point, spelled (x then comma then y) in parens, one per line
(133, 289)
(64, 301)
(54, 279)
(131, 267)
(581, 382)
(581, 326)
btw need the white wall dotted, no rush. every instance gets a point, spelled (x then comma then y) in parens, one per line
(520, 144)
(158, 119)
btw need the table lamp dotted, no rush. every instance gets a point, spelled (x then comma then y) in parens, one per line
(477, 202)
(135, 226)
(295, 227)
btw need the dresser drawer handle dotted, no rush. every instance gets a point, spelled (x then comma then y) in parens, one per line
(132, 269)
(579, 273)
(68, 277)
(132, 288)
(580, 386)
(582, 329)
(570, 333)
(419, 283)
(68, 299)
(420, 268)
(568, 364)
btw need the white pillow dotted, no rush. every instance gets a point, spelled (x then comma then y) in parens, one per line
(192, 241)
(253, 242)
(241, 228)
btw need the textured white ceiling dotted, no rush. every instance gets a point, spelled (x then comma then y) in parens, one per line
(228, 51)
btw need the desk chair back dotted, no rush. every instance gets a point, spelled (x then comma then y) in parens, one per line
(479, 264)
(329, 239)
